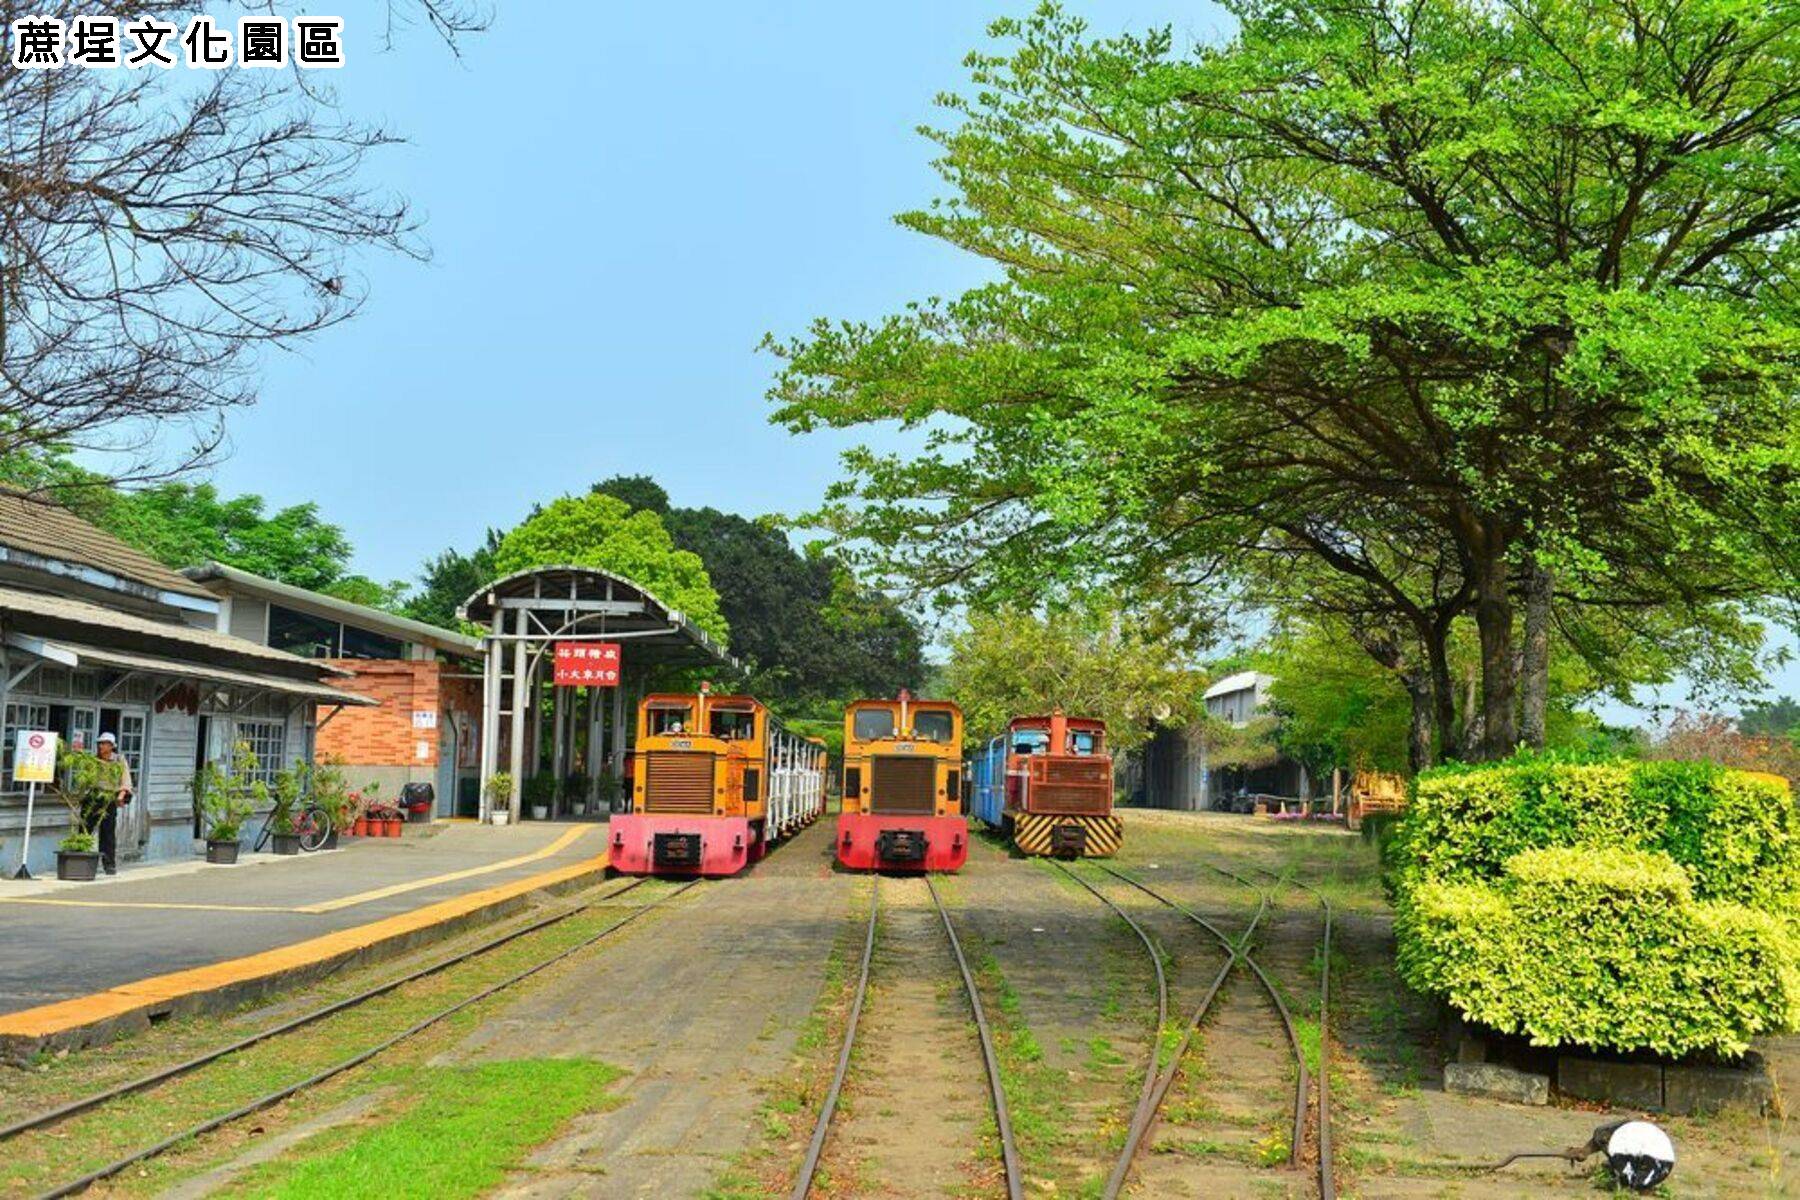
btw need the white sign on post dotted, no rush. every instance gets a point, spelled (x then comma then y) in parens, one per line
(34, 762)
(34, 756)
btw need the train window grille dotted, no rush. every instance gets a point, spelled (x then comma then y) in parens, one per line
(678, 782)
(903, 785)
(752, 785)
(1070, 785)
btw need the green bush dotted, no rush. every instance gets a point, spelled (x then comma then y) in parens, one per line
(1602, 948)
(1624, 905)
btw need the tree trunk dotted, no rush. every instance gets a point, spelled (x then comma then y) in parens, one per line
(1534, 681)
(1421, 744)
(1499, 674)
(1443, 689)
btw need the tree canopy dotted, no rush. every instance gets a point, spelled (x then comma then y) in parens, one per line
(1489, 306)
(1090, 659)
(601, 531)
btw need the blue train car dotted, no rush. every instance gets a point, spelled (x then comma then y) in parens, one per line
(987, 782)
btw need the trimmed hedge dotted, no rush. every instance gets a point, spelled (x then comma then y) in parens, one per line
(1614, 905)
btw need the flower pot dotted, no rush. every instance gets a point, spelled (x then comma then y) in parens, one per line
(540, 812)
(391, 827)
(287, 843)
(360, 827)
(499, 816)
(219, 850)
(331, 837)
(579, 808)
(77, 865)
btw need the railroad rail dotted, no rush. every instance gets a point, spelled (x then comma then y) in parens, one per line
(1238, 951)
(63, 1112)
(1002, 1119)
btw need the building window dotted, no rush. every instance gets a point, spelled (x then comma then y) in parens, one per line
(131, 745)
(268, 741)
(360, 643)
(18, 716)
(301, 633)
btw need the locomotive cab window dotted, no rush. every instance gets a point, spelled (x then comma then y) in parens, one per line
(1030, 741)
(1082, 742)
(933, 726)
(872, 723)
(675, 718)
(734, 725)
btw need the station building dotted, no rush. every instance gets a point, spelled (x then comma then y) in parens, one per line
(425, 725)
(96, 637)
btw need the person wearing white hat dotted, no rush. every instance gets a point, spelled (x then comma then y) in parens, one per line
(118, 784)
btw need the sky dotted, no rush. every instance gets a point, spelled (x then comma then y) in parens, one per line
(618, 210)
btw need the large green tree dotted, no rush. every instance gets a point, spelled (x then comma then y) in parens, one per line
(1089, 659)
(1512, 283)
(597, 530)
(810, 634)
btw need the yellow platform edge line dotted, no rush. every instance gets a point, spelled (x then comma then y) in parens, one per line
(412, 885)
(48, 1020)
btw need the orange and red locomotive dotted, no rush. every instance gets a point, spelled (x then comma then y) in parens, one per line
(715, 782)
(1047, 783)
(903, 787)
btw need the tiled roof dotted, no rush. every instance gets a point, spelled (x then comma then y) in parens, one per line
(47, 530)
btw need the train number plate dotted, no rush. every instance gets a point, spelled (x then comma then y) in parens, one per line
(900, 845)
(676, 849)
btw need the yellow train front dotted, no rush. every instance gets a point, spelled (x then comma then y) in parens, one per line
(1047, 782)
(716, 781)
(903, 787)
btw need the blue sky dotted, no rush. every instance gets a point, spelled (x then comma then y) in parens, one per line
(612, 235)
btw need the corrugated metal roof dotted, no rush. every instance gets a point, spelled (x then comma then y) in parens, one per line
(1243, 681)
(61, 608)
(47, 530)
(171, 666)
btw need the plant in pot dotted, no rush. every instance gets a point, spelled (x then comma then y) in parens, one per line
(285, 796)
(540, 795)
(227, 798)
(331, 793)
(499, 795)
(609, 792)
(576, 789)
(81, 787)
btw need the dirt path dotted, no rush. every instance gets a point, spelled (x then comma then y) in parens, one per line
(910, 1119)
(700, 1011)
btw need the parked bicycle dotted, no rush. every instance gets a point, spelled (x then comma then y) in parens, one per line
(312, 825)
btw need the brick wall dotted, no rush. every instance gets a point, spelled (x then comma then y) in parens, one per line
(385, 736)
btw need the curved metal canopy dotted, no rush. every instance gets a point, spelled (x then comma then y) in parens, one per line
(568, 602)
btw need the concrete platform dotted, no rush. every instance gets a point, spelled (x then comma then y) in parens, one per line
(83, 962)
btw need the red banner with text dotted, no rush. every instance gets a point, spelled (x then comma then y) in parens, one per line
(587, 664)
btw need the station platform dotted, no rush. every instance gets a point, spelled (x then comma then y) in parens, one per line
(84, 962)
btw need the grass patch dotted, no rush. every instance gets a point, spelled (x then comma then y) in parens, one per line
(463, 1129)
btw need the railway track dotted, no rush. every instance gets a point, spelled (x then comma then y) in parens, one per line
(50, 1118)
(1159, 1076)
(815, 1149)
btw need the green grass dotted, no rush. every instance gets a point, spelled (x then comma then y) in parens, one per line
(462, 1129)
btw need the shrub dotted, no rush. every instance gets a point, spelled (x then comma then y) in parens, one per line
(1602, 948)
(1626, 905)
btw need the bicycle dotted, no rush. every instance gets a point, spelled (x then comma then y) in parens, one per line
(312, 824)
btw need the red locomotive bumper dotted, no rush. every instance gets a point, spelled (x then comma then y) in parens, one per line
(658, 844)
(866, 842)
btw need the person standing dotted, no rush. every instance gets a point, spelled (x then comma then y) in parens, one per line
(115, 793)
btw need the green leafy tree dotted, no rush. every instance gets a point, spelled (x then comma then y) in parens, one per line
(1511, 284)
(1770, 718)
(1090, 659)
(602, 531)
(449, 578)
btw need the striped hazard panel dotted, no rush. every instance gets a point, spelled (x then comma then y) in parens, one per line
(1068, 834)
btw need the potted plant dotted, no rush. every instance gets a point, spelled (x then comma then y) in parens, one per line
(609, 792)
(330, 793)
(499, 794)
(227, 798)
(575, 791)
(540, 794)
(359, 821)
(285, 796)
(80, 786)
